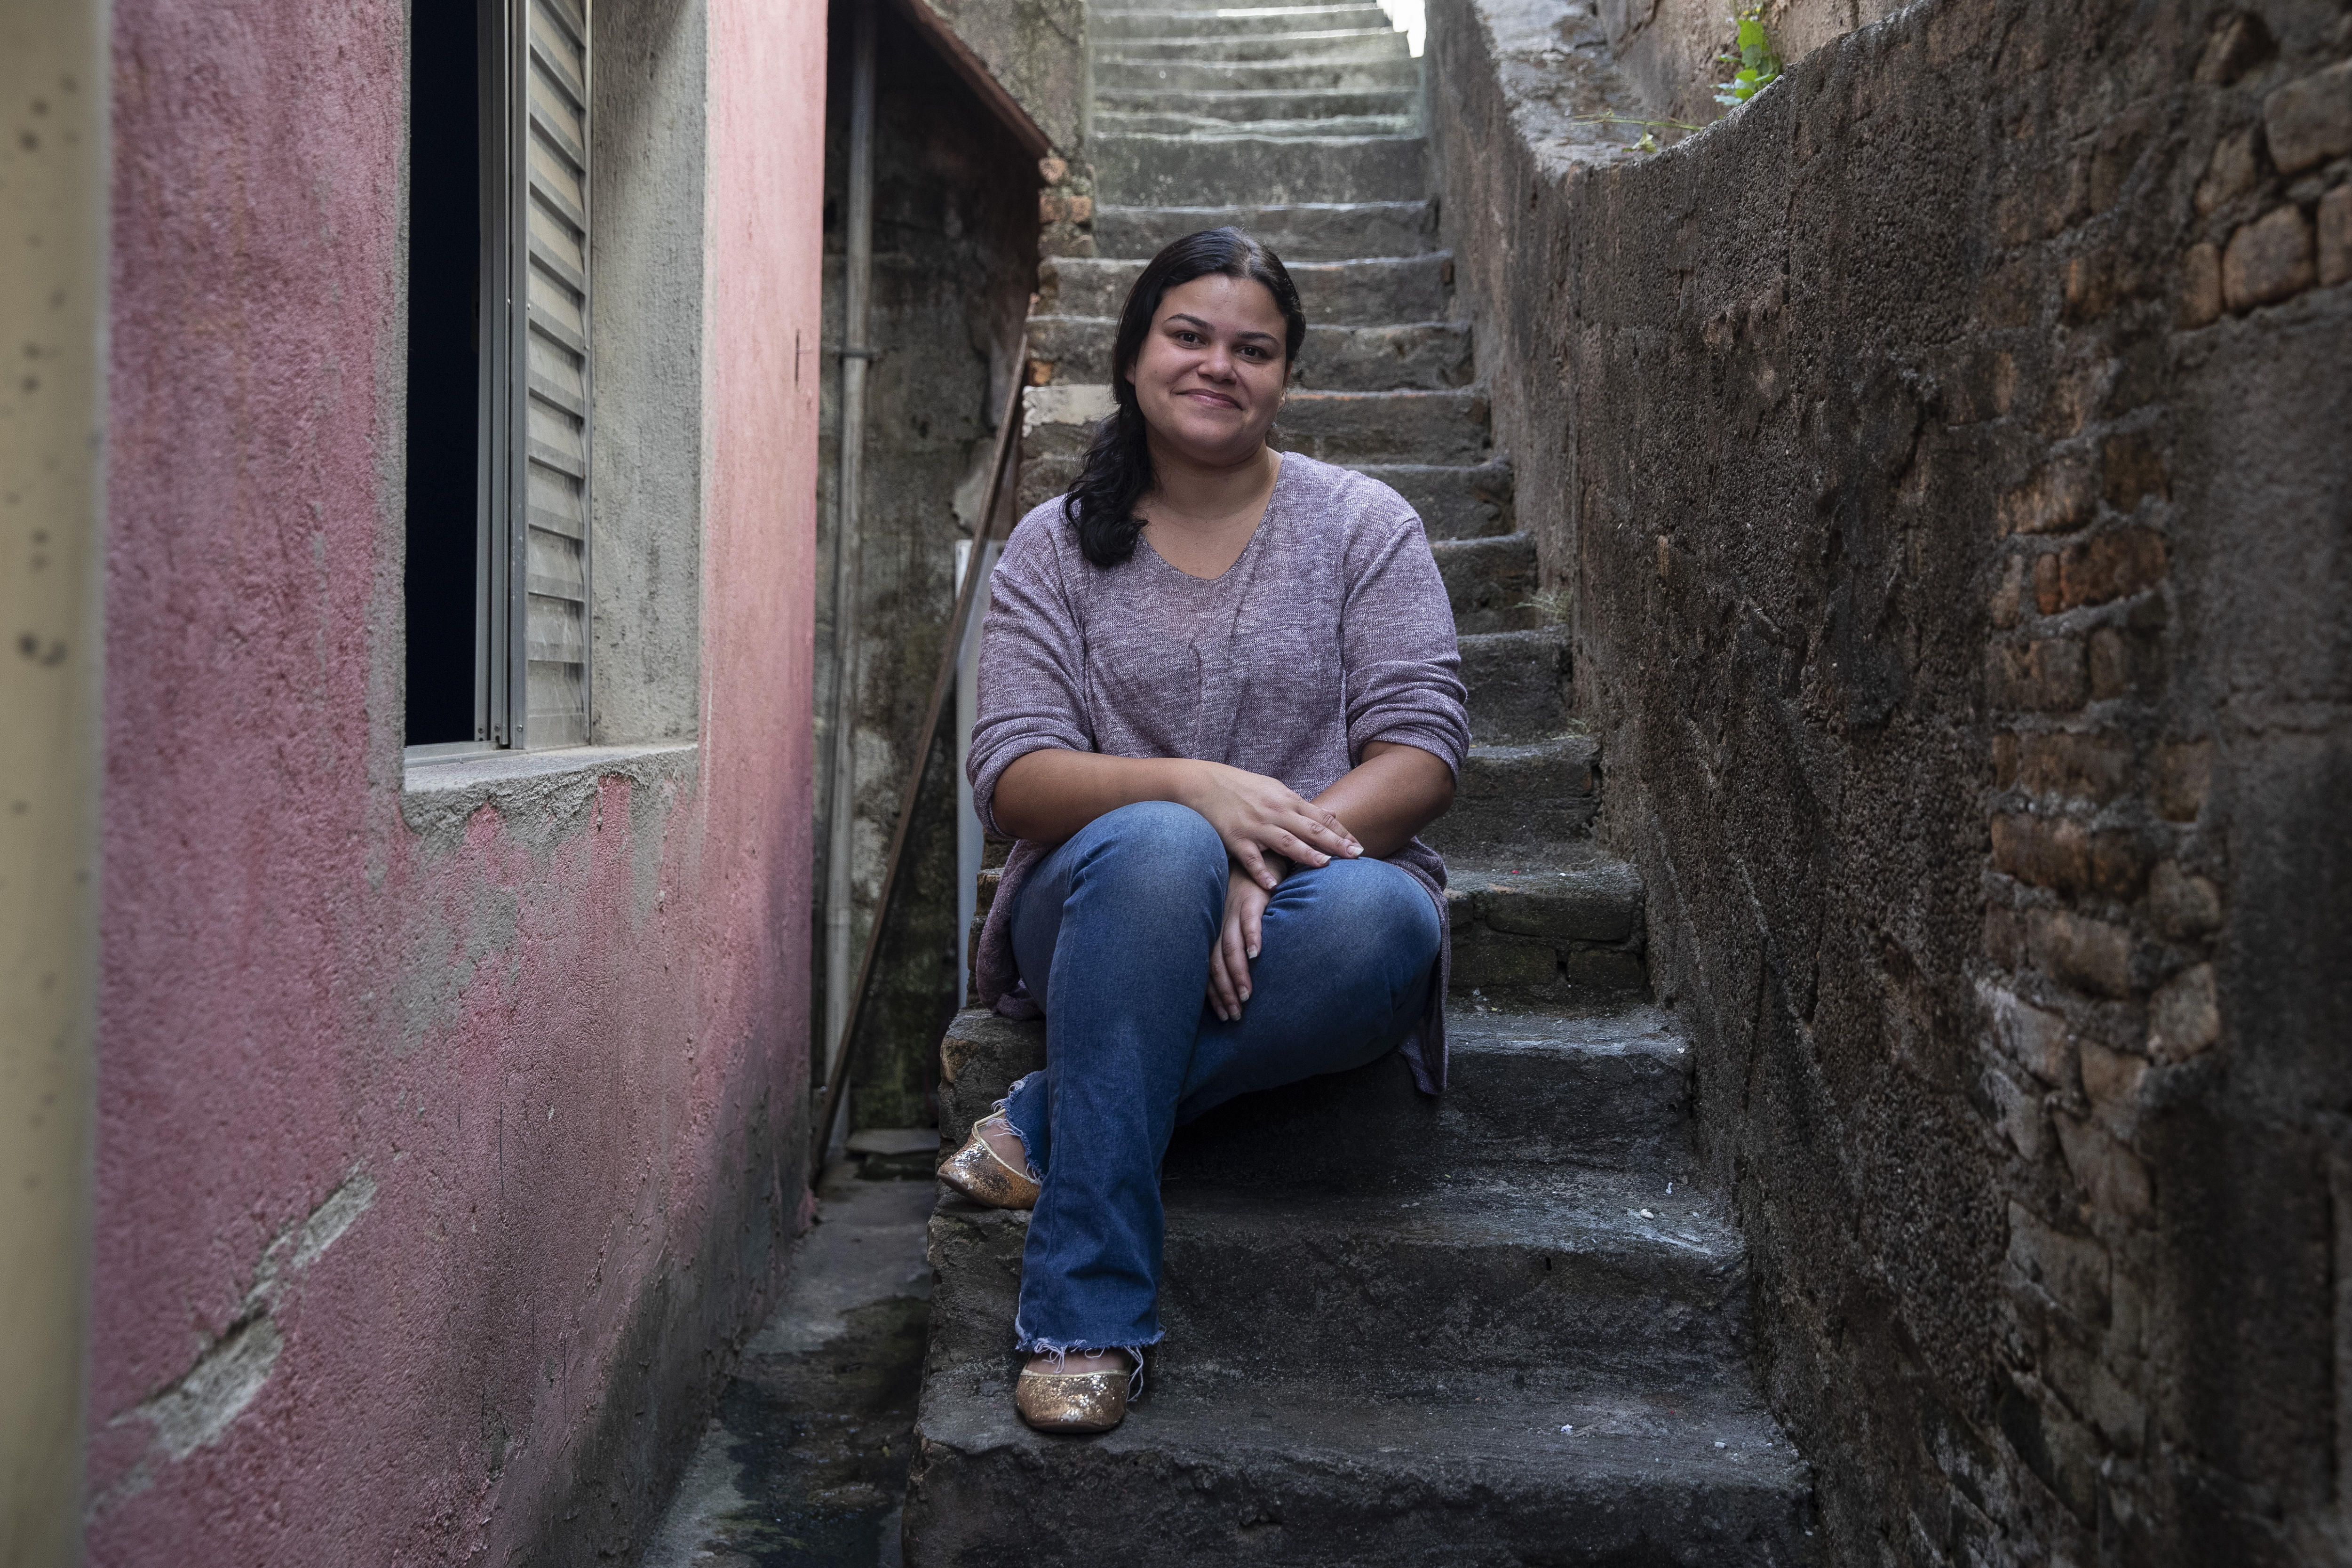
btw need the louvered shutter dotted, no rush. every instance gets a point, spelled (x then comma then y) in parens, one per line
(547, 589)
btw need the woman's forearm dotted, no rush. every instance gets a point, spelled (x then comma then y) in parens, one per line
(1048, 796)
(1394, 793)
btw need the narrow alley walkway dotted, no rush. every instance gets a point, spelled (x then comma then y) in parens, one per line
(806, 1462)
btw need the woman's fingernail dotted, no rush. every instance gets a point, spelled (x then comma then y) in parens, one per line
(1253, 954)
(1245, 996)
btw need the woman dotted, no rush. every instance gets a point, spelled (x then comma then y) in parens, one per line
(1218, 694)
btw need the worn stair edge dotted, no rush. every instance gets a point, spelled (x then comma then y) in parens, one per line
(1499, 1280)
(1490, 583)
(1557, 920)
(1419, 356)
(1423, 428)
(1511, 798)
(1170, 21)
(1314, 44)
(1319, 1472)
(1139, 170)
(1246, 105)
(1364, 292)
(1519, 683)
(1599, 1085)
(1305, 231)
(1260, 76)
(1165, 123)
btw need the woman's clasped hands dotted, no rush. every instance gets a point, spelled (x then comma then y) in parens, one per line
(1265, 824)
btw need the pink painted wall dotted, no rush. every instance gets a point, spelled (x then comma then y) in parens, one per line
(544, 1070)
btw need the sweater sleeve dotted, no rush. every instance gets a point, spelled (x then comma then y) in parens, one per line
(1031, 689)
(1403, 669)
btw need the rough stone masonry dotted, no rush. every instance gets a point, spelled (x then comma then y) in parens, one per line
(1946, 458)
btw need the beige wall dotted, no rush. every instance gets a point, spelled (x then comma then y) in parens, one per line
(52, 214)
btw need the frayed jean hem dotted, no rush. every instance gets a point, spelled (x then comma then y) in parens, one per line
(1061, 1352)
(1027, 1160)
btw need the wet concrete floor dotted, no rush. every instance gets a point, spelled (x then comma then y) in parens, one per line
(805, 1463)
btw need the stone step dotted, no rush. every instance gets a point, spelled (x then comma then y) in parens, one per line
(1236, 107)
(1229, 7)
(1204, 125)
(1184, 171)
(1560, 919)
(1199, 21)
(1301, 46)
(1454, 502)
(1345, 428)
(1519, 684)
(1511, 797)
(1614, 1277)
(1115, 73)
(1379, 292)
(1419, 355)
(1313, 231)
(1352, 427)
(1457, 1470)
(1490, 581)
(1601, 1084)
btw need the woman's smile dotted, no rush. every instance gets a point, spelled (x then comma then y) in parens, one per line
(1209, 372)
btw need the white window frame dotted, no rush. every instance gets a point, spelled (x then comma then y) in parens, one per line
(534, 456)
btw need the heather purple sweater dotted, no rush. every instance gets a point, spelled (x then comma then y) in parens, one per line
(1330, 630)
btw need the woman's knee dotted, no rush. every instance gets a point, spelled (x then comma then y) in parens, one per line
(1156, 841)
(1375, 911)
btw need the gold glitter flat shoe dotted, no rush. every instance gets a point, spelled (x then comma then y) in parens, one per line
(1072, 1401)
(985, 1177)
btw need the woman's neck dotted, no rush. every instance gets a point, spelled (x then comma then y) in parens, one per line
(1187, 490)
(1200, 517)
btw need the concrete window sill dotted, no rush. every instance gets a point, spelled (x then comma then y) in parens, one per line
(442, 792)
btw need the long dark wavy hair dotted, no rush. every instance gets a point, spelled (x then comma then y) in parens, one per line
(1118, 469)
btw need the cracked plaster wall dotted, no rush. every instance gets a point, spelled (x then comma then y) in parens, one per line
(1944, 455)
(447, 1137)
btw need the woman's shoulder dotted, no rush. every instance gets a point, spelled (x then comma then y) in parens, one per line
(1354, 502)
(1042, 537)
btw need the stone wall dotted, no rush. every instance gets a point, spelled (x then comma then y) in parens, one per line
(1036, 52)
(1671, 50)
(1945, 457)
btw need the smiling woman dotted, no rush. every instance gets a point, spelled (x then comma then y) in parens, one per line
(1219, 696)
(1205, 344)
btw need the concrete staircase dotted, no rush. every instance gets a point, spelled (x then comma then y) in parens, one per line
(1505, 1326)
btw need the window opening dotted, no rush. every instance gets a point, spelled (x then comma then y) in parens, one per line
(499, 400)
(445, 237)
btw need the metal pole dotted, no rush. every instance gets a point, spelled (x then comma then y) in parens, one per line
(856, 287)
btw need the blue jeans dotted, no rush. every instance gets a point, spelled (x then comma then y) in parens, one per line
(1112, 934)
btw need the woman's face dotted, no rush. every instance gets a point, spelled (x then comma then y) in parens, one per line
(1210, 373)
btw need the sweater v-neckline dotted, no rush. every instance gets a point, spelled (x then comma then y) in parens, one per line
(1265, 515)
